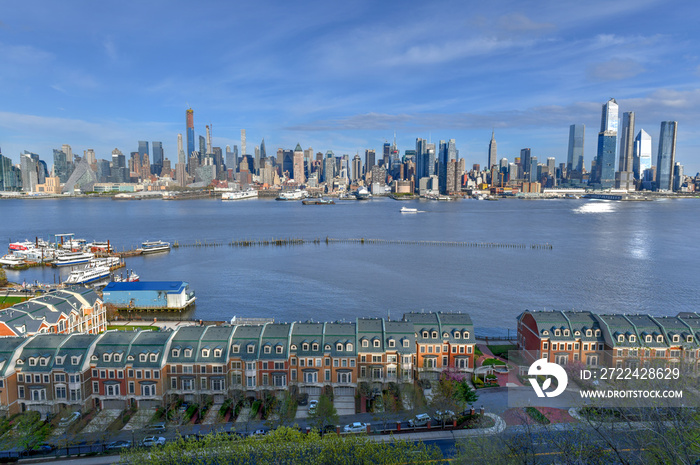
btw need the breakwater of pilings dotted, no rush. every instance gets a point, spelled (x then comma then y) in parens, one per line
(288, 242)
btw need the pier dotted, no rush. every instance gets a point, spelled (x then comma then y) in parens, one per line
(288, 242)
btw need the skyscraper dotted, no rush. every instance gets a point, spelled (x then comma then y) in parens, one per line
(492, 151)
(60, 165)
(298, 162)
(642, 154)
(157, 165)
(666, 157)
(442, 166)
(243, 146)
(356, 167)
(190, 132)
(574, 161)
(421, 152)
(525, 155)
(181, 157)
(29, 168)
(607, 146)
(625, 175)
(369, 160)
(259, 155)
(143, 149)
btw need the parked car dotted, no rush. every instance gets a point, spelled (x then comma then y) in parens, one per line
(150, 441)
(447, 415)
(357, 427)
(156, 427)
(42, 449)
(421, 419)
(259, 432)
(69, 420)
(118, 445)
(312, 406)
(303, 399)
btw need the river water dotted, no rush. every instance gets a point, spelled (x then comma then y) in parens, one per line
(607, 257)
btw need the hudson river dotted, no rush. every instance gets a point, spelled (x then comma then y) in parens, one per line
(616, 257)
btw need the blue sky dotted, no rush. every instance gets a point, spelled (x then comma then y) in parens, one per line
(345, 76)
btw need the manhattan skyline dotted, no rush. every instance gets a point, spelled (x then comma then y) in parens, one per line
(345, 78)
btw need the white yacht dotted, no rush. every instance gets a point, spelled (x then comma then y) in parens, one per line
(408, 210)
(72, 258)
(296, 194)
(88, 274)
(240, 195)
(154, 247)
(109, 262)
(11, 260)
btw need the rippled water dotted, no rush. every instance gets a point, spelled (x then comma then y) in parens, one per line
(621, 257)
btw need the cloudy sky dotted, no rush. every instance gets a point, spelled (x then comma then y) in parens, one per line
(345, 76)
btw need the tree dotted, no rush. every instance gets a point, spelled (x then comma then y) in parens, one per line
(445, 396)
(465, 394)
(283, 412)
(325, 414)
(387, 407)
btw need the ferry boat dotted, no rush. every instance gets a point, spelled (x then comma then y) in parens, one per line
(154, 247)
(99, 246)
(109, 262)
(72, 258)
(240, 195)
(408, 210)
(318, 202)
(11, 260)
(363, 194)
(88, 274)
(296, 194)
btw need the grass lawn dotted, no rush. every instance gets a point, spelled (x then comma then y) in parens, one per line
(132, 327)
(502, 350)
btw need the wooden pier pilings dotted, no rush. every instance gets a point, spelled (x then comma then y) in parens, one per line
(285, 242)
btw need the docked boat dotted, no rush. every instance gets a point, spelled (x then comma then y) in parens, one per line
(318, 202)
(408, 210)
(130, 277)
(154, 247)
(72, 258)
(11, 260)
(109, 262)
(296, 194)
(99, 246)
(88, 274)
(363, 194)
(240, 195)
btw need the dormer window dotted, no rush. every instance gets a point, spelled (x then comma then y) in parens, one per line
(597, 332)
(32, 362)
(314, 346)
(566, 332)
(154, 357)
(175, 352)
(205, 352)
(545, 333)
(305, 347)
(633, 338)
(251, 348)
(557, 332)
(647, 339)
(621, 338)
(106, 357)
(365, 343)
(217, 352)
(142, 357)
(676, 338)
(458, 335)
(392, 343)
(267, 349)
(348, 347)
(589, 333)
(466, 335)
(43, 361)
(188, 352)
(376, 343)
(59, 360)
(236, 349)
(425, 334)
(689, 339)
(74, 360)
(433, 334)
(445, 335)
(577, 333)
(117, 357)
(327, 348)
(339, 347)
(660, 339)
(406, 343)
(279, 349)
(293, 347)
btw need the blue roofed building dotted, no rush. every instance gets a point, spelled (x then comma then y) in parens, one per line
(149, 295)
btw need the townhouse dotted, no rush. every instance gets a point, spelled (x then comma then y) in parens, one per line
(621, 341)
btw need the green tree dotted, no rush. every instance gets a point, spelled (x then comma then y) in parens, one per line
(325, 414)
(465, 394)
(283, 411)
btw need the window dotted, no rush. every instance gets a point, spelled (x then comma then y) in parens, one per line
(111, 374)
(147, 374)
(339, 347)
(620, 338)
(328, 362)
(344, 363)
(545, 345)
(454, 349)
(458, 335)
(376, 359)
(348, 347)
(302, 362)
(148, 390)
(589, 333)
(175, 352)
(311, 377)
(430, 349)
(217, 352)
(365, 343)
(434, 334)
(633, 338)
(173, 383)
(20, 378)
(352, 362)
(103, 374)
(154, 357)
(689, 339)
(676, 338)
(20, 392)
(267, 349)
(647, 339)
(392, 343)
(59, 377)
(187, 384)
(60, 392)
(406, 342)
(305, 347)
(659, 338)
(314, 346)
(203, 383)
(32, 362)
(445, 349)
(142, 357)
(217, 384)
(566, 332)
(120, 374)
(236, 349)
(318, 362)
(327, 375)
(345, 377)
(106, 357)
(278, 349)
(425, 334)
(294, 361)
(138, 374)
(557, 332)
(188, 352)
(214, 369)
(461, 349)
(74, 360)
(130, 373)
(132, 388)
(95, 387)
(250, 381)
(251, 348)
(376, 343)
(205, 352)
(444, 361)
(293, 347)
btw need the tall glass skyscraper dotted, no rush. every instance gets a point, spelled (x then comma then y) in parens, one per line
(157, 164)
(190, 132)
(666, 158)
(607, 146)
(574, 161)
(642, 154)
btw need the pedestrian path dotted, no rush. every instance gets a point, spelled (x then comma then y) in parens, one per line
(212, 415)
(140, 419)
(102, 421)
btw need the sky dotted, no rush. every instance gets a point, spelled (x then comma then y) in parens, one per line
(345, 76)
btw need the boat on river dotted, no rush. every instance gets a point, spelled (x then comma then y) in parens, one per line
(88, 274)
(154, 247)
(240, 195)
(408, 210)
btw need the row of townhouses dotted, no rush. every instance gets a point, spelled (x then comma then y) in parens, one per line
(629, 341)
(114, 369)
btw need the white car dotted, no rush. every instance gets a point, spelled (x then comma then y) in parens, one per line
(150, 441)
(312, 407)
(69, 420)
(357, 427)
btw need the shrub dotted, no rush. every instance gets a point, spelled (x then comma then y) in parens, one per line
(537, 415)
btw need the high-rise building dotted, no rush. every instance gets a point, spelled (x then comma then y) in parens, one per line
(243, 146)
(10, 177)
(356, 168)
(181, 157)
(90, 156)
(666, 157)
(202, 149)
(492, 150)
(60, 165)
(624, 179)
(386, 154)
(65, 148)
(143, 150)
(209, 145)
(232, 158)
(259, 155)
(329, 169)
(298, 162)
(190, 132)
(678, 177)
(421, 153)
(574, 161)
(157, 164)
(442, 167)
(525, 155)
(642, 154)
(607, 146)
(369, 160)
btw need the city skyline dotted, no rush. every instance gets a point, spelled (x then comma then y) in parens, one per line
(344, 79)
